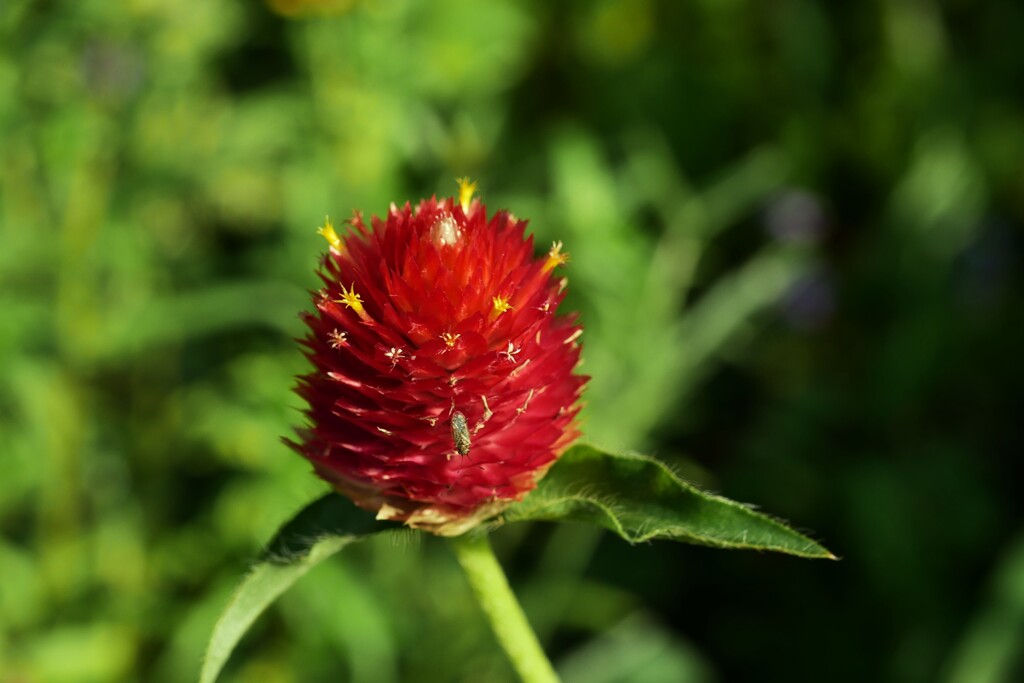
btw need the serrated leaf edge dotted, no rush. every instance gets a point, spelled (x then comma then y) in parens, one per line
(813, 550)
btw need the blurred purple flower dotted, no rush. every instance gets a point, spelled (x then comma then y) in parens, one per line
(112, 73)
(795, 216)
(983, 270)
(810, 301)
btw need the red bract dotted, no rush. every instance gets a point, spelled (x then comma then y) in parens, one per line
(443, 385)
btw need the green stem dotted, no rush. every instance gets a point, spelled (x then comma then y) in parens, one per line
(502, 609)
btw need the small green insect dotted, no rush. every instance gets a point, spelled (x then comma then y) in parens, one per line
(460, 433)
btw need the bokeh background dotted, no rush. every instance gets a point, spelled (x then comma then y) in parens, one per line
(797, 250)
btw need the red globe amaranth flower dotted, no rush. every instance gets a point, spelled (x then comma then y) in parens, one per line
(443, 386)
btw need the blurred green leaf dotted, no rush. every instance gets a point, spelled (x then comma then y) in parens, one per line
(637, 650)
(92, 653)
(321, 529)
(640, 499)
(990, 650)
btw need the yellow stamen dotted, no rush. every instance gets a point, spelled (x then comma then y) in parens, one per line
(327, 230)
(466, 189)
(555, 257)
(450, 338)
(500, 305)
(353, 300)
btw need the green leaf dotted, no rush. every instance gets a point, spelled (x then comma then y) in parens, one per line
(635, 496)
(640, 499)
(321, 529)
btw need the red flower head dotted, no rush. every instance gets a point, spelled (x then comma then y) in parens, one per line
(443, 385)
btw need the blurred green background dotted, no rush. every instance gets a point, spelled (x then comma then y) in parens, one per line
(796, 246)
